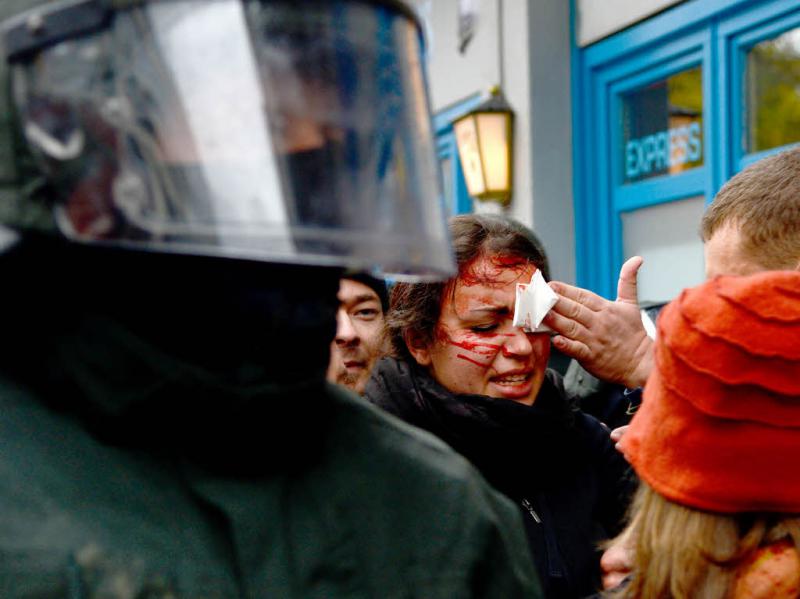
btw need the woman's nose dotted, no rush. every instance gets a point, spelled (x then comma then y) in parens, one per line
(517, 343)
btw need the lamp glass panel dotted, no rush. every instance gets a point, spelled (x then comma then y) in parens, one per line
(468, 150)
(493, 135)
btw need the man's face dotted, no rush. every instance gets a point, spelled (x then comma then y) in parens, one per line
(358, 342)
(724, 255)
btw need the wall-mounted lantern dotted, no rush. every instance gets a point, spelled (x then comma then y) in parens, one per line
(484, 137)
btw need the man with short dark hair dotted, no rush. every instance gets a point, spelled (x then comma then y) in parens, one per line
(753, 224)
(359, 340)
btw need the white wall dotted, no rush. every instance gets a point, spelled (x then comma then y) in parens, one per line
(454, 76)
(551, 134)
(597, 19)
(523, 45)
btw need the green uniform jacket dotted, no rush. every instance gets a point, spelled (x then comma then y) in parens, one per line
(386, 511)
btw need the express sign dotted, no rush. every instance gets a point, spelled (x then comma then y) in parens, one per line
(660, 152)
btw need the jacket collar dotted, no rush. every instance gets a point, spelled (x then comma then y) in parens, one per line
(503, 438)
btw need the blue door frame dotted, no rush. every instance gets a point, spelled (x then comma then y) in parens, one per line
(714, 34)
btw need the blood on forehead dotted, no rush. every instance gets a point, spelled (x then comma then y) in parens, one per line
(491, 273)
(488, 270)
(484, 282)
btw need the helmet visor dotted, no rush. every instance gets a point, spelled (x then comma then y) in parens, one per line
(283, 131)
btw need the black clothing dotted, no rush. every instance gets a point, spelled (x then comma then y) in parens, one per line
(557, 463)
(166, 431)
(612, 404)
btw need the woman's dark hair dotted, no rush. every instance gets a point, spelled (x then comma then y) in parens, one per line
(414, 308)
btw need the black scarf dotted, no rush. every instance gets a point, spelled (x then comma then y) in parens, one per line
(520, 449)
(216, 361)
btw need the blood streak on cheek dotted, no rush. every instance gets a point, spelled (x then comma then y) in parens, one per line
(482, 351)
(477, 347)
(468, 359)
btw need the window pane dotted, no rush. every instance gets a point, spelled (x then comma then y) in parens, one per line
(772, 93)
(667, 237)
(662, 127)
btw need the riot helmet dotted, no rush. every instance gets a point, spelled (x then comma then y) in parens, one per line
(271, 130)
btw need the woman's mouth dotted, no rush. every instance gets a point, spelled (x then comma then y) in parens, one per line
(516, 385)
(514, 379)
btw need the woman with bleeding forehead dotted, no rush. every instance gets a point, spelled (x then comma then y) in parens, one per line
(462, 371)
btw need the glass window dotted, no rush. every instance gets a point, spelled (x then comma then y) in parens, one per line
(772, 93)
(662, 127)
(667, 237)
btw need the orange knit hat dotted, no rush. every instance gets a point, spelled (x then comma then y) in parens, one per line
(719, 427)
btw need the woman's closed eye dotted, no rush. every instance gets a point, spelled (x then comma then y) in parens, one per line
(484, 328)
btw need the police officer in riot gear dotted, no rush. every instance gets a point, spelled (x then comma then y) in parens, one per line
(182, 183)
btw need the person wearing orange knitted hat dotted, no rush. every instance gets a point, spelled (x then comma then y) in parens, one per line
(716, 445)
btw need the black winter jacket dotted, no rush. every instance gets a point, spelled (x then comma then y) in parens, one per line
(555, 462)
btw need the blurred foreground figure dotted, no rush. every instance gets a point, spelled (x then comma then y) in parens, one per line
(716, 443)
(182, 184)
(359, 341)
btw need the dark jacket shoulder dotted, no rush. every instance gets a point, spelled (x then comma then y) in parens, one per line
(384, 510)
(393, 466)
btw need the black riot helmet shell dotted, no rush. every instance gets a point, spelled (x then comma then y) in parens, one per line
(272, 130)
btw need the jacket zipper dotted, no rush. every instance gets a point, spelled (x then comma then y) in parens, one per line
(527, 505)
(552, 555)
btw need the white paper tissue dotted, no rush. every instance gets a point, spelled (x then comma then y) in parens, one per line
(534, 301)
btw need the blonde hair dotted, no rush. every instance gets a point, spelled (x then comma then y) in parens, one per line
(681, 553)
